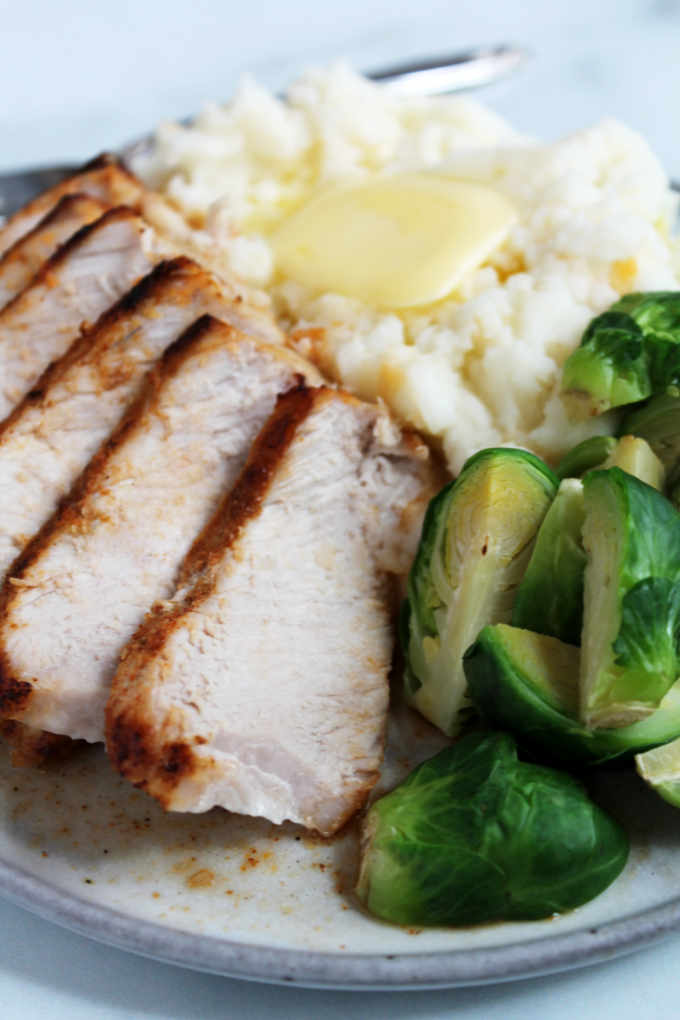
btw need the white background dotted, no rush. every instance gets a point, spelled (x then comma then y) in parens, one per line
(78, 76)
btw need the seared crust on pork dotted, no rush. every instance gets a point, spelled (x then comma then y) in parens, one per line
(22, 261)
(71, 290)
(104, 178)
(79, 590)
(53, 432)
(35, 748)
(261, 686)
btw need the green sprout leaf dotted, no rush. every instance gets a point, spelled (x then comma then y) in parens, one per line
(475, 835)
(475, 544)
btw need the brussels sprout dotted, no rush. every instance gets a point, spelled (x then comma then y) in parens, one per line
(636, 456)
(658, 422)
(528, 684)
(550, 597)
(631, 613)
(673, 493)
(475, 545)
(626, 354)
(609, 368)
(585, 456)
(476, 835)
(660, 768)
(657, 313)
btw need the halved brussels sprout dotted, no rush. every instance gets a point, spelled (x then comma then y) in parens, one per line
(585, 456)
(657, 313)
(635, 456)
(475, 545)
(550, 596)
(658, 422)
(626, 354)
(660, 769)
(631, 618)
(527, 684)
(609, 368)
(476, 835)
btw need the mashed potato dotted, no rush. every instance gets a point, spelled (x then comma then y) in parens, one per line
(481, 367)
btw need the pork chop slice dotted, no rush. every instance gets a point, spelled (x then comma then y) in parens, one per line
(104, 178)
(22, 261)
(51, 435)
(81, 588)
(261, 686)
(71, 290)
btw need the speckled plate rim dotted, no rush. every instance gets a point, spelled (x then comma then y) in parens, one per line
(358, 971)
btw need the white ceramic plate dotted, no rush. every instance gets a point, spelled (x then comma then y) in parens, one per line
(245, 898)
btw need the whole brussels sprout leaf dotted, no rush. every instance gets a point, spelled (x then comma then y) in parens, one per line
(475, 545)
(475, 835)
(630, 650)
(527, 684)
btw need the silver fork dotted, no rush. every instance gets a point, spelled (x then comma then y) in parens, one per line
(437, 76)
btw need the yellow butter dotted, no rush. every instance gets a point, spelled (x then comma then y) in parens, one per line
(393, 242)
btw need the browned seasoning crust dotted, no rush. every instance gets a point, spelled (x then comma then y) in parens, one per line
(30, 250)
(157, 757)
(106, 331)
(33, 748)
(104, 178)
(131, 743)
(72, 513)
(53, 264)
(102, 183)
(14, 694)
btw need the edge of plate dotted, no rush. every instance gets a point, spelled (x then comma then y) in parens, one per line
(275, 965)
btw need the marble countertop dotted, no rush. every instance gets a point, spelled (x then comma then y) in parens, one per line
(77, 79)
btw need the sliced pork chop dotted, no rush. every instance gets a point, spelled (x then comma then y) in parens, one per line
(104, 178)
(261, 686)
(82, 587)
(51, 435)
(73, 288)
(22, 261)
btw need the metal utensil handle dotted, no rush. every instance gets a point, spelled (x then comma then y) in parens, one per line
(456, 72)
(466, 70)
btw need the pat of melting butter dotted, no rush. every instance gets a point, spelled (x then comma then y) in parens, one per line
(393, 242)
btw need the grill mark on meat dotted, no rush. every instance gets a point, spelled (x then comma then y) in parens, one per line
(245, 500)
(173, 500)
(240, 504)
(131, 745)
(24, 258)
(79, 282)
(50, 436)
(145, 729)
(103, 178)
